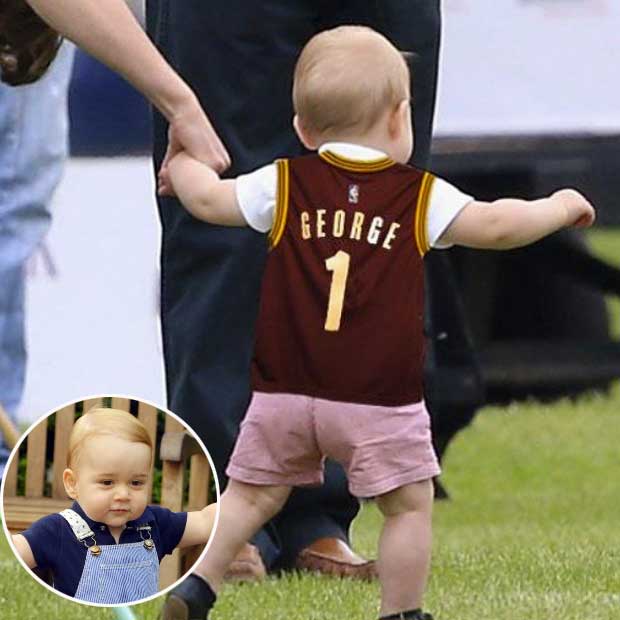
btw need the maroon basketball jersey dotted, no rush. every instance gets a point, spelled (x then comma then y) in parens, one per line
(341, 314)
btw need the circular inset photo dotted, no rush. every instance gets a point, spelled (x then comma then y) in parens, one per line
(109, 500)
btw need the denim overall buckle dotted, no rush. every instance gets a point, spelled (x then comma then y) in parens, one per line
(81, 530)
(148, 543)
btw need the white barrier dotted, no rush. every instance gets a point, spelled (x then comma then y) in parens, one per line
(92, 326)
(529, 67)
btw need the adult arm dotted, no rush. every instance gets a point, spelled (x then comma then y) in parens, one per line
(510, 222)
(108, 30)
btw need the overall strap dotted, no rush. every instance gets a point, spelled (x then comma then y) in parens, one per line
(77, 524)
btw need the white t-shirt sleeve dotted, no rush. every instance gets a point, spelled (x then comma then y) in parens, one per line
(445, 203)
(256, 196)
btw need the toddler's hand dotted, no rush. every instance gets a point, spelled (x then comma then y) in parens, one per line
(579, 212)
(164, 185)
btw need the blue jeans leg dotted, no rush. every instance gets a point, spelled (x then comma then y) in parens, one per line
(33, 149)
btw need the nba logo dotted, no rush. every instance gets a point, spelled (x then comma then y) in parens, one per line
(354, 194)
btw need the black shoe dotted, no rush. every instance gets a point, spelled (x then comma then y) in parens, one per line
(413, 614)
(190, 600)
(440, 491)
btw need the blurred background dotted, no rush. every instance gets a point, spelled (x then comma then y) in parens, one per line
(528, 102)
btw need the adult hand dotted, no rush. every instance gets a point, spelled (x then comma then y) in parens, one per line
(109, 32)
(191, 131)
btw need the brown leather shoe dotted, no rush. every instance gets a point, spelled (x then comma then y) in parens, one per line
(247, 566)
(332, 556)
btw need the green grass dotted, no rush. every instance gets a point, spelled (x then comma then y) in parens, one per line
(605, 242)
(532, 529)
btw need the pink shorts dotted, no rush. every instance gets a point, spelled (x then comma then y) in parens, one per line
(285, 438)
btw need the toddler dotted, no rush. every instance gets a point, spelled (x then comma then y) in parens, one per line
(107, 547)
(338, 364)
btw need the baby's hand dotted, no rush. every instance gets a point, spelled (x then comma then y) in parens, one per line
(199, 526)
(579, 212)
(22, 546)
(164, 185)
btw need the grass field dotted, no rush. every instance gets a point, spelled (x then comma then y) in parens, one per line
(606, 244)
(532, 530)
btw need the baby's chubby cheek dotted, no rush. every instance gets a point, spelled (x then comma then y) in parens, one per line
(138, 505)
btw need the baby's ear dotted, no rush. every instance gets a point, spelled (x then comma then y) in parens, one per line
(304, 134)
(69, 480)
(398, 119)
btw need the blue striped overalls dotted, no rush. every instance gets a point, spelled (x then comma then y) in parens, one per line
(115, 574)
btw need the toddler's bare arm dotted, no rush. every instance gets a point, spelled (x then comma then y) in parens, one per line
(511, 223)
(199, 526)
(203, 193)
(24, 550)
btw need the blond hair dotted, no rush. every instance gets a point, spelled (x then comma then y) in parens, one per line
(346, 78)
(101, 421)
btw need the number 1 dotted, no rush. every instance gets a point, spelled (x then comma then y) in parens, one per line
(339, 264)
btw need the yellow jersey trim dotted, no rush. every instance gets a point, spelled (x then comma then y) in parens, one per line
(356, 165)
(421, 213)
(281, 208)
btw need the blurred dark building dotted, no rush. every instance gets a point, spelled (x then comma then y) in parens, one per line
(107, 116)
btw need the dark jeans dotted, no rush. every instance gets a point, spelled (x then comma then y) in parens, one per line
(239, 57)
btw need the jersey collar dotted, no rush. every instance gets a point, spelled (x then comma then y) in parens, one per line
(354, 157)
